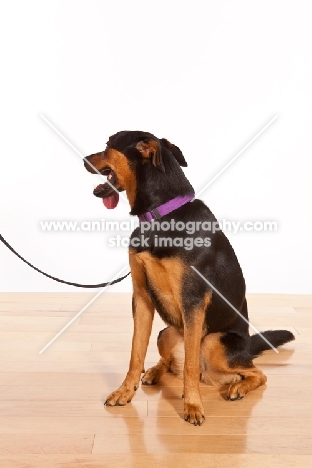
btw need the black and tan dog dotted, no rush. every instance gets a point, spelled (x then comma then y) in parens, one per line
(205, 338)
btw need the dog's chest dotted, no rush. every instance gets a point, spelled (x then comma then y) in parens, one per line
(164, 279)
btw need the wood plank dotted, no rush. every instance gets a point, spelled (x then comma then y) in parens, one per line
(280, 300)
(306, 331)
(168, 460)
(29, 348)
(250, 405)
(304, 310)
(152, 427)
(99, 380)
(69, 335)
(55, 354)
(61, 378)
(48, 324)
(269, 393)
(133, 443)
(55, 324)
(71, 408)
(9, 309)
(38, 443)
(33, 312)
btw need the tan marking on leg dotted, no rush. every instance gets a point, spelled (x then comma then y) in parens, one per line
(193, 333)
(165, 279)
(252, 379)
(143, 319)
(218, 371)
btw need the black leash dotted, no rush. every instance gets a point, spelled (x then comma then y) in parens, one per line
(101, 285)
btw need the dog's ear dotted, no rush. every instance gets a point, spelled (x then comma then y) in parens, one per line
(150, 149)
(175, 151)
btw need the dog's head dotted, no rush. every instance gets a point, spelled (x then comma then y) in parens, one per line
(146, 167)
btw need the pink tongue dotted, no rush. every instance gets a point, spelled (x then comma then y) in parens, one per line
(112, 201)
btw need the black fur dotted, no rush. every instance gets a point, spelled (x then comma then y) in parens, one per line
(275, 337)
(242, 349)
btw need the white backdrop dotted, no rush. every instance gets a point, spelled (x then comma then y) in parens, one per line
(207, 75)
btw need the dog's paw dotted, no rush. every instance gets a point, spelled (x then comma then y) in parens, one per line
(237, 391)
(121, 396)
(194, 413)
(151, 376)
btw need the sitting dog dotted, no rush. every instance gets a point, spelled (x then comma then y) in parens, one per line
(207, 337)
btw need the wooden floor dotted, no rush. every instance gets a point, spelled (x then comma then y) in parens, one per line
(51, 405)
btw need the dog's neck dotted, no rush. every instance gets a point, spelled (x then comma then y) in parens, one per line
(154, 188)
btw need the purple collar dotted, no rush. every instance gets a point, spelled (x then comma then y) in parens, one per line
(165, 208)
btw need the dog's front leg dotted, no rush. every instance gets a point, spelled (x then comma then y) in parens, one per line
(193, 330)
(143, 314)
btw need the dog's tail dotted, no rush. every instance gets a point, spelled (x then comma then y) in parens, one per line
(275, 337)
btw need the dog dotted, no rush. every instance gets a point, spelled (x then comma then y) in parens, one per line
(207, 337)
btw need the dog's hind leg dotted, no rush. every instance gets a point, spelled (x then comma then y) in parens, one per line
(168, 342)
(228, 361)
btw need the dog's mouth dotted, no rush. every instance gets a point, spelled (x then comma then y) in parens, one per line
(108, 191)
